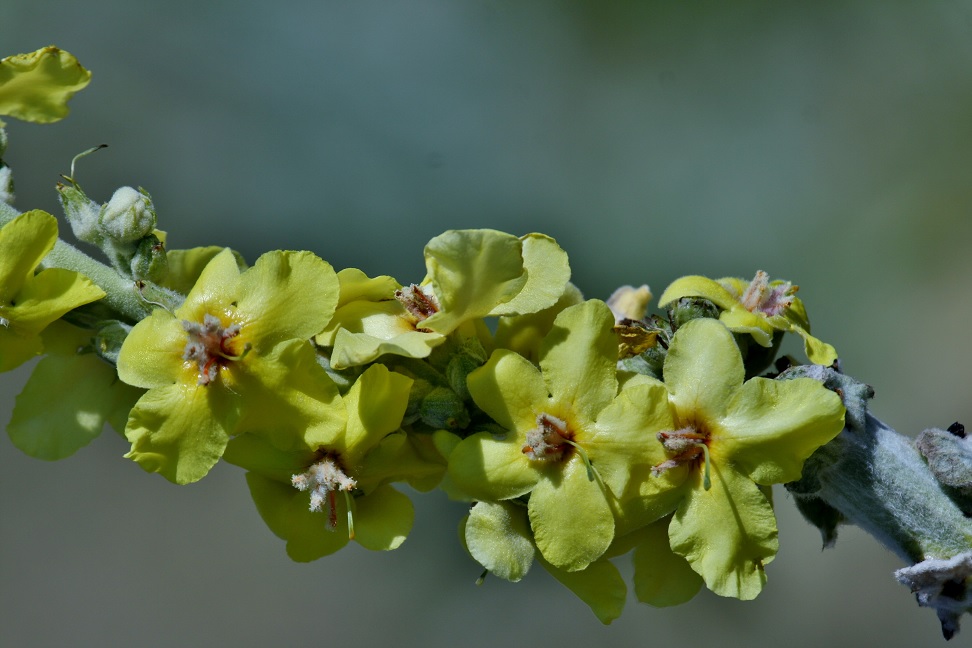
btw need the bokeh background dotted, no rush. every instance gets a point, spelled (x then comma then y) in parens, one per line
(827, 143)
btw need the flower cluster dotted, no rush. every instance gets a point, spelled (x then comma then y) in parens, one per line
(576, 430)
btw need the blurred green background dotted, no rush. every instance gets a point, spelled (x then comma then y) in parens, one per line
(827, 143)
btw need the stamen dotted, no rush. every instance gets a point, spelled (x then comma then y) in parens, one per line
(323, 479)
(419, 303)
(686, 444)
(547, 441)
(210, 344)
(761, 298)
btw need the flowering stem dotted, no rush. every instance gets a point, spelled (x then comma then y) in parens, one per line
(875, 478)
(122, 294)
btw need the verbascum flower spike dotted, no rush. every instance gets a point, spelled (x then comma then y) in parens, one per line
(759, 307)
(234, 356)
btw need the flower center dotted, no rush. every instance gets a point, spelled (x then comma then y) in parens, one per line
(685, 445)
(324, 479)
(211, 346)
(549, 440)
(760, 297)
(419, 303)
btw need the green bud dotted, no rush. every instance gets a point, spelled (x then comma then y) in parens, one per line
(149, 262)
(81, 212)
(441, 408)
(128, 216)
(690, 308)
(107, 342)
(461, 364)
(6, 183)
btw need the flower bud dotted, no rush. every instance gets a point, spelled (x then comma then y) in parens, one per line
(149, 262)
(107, 342)
(442, 408)
(6, 183)
(81, 212)
(690, 308)
(128, 216)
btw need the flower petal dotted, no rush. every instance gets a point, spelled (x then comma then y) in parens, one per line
(179, 432)
(152, 353)
(47, 296)
(286, 295)
(376, 404)
(382, 519)
(362, 331)
(55, 428)
(547, 272)
(24, 242)
(286, 390)
(697, 286)
(740, 320)
(579, 359)
(510, 389)
(485, 468)
(624, 435)
(35, 87)
(817, 351)
(661, 577)
(287, 513)
(16, 349)
(185, 266)
(702, 370)
(773, 426)
(498, 536)
(400, 456)
(258, 455)
(216, 290)
(356, 285)
(727, 533)
(600, 585)
(570, 515)
(472, 272)
(525, 333)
